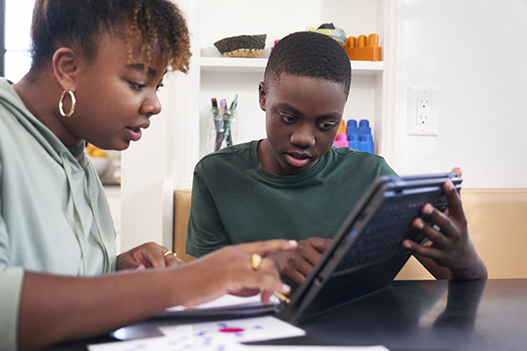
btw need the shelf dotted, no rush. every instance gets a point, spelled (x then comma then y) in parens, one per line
(257, 65)
(223, 64)
(367, 67)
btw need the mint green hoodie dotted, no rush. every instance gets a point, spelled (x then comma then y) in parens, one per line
(54, 216)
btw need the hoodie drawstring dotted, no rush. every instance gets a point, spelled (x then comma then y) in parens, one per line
(78, 228)
(93, 203)
(76, 217)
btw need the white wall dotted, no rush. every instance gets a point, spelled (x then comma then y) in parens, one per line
(475, 51)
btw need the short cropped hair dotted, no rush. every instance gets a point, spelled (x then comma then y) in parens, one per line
(309, 54)
(81, 23)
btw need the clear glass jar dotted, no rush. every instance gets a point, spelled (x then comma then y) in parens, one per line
(222, 127)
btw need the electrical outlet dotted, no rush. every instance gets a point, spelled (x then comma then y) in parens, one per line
(423, 110)
(423, 106)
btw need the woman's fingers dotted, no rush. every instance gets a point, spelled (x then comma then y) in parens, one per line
(263, 248)
(171, 259)
(234, 270)
(149, 255)
(268, 277)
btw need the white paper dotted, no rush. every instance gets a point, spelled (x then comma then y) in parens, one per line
(228, 301)
(236, 330)
(312, 348)
(176, 344)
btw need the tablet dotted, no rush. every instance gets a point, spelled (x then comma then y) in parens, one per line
(367, 252)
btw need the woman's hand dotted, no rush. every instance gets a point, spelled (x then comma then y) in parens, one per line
(149, 255)
(229, 270)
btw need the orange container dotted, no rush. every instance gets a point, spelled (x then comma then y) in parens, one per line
(363, 49)
(342, 127)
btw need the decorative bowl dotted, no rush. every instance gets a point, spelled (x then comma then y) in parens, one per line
(242, 46)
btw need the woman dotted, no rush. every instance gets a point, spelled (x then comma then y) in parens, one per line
(97, 65)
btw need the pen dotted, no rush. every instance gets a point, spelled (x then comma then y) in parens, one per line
(226, 127)
(282, 297)
(219, 126)
(215, 110)
(234, 104)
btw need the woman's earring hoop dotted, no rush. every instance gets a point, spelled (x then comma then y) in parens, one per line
(61, 104)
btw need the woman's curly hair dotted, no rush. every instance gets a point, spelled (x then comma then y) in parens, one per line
(81, 23)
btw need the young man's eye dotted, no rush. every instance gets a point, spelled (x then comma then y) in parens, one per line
(159, 86)
(326, 126)
(287, 119)
(137, 86)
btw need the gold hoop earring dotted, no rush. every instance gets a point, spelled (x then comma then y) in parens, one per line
(61, 104)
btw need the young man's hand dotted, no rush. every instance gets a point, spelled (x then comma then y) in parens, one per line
(296, 265)
(451, 247)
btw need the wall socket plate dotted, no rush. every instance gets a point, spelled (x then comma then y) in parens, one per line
(422, 111)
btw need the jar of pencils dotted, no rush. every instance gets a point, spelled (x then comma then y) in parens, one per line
(223, 124)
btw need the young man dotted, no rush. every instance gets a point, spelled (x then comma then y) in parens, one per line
(294, 184)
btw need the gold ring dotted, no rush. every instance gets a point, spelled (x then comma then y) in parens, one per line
(256, 261)
(169, 253)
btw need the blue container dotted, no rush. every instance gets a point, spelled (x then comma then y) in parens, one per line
(366, 143)
(354, 141)
(364, 127)
(351, 128)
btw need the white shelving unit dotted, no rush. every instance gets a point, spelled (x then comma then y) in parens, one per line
(223, 78)
(221, 75)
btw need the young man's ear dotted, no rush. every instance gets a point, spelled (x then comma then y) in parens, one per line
(65, 67)
(262, 95)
